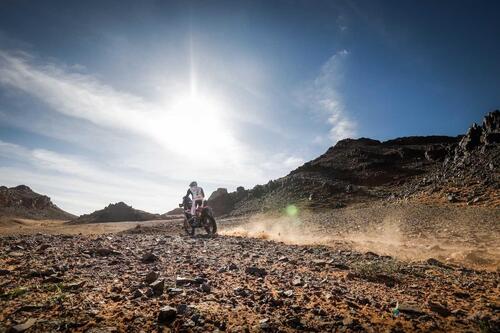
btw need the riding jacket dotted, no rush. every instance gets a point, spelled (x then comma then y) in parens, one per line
(196, 192)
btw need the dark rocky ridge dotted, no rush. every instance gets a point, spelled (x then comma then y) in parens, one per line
(356, 170)
(115, 213)
(22, 202)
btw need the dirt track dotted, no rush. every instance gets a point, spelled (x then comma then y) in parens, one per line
(99, 283)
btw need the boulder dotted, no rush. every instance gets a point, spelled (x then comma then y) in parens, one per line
(221, 202)
(158, 287)
(472, 139)
(167, 315)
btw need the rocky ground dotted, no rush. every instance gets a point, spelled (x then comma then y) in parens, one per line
(394, 236)
(149, 278)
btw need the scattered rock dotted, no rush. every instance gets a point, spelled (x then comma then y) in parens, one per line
(174, 291)
(205, 287)
(137, 293)
(182, 281)
(24, 326)
(255, 271)
(149, 257)
(167, 315)
(411, 309)
(439, 309)
(151, 277)
(105, 252)
(158, 287)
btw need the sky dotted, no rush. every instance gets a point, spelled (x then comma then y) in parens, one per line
(107, 101)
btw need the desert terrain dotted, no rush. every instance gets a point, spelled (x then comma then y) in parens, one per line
(394, 236)
(383, 267)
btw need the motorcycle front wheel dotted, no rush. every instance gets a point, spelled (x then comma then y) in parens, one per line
(188, 228)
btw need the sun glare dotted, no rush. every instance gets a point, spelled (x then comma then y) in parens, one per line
(195, 121)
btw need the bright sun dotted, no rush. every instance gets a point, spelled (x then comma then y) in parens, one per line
(197, 121)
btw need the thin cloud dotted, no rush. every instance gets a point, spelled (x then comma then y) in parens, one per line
(148, 147)
(84, 97)
(322, 95)
(99, 186)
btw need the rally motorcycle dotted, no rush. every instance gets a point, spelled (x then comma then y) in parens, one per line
(203, 218)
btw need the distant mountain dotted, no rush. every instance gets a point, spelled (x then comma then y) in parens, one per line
(175, 211)
(22, 202)
(462, 169)
(117, 212)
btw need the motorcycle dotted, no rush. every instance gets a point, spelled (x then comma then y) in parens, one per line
(203, 218)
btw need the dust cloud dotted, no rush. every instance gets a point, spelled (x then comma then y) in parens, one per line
(289, 230)
(389, 236)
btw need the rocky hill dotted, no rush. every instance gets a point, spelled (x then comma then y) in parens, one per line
(462, 169)
(115, 213)
(22, 202)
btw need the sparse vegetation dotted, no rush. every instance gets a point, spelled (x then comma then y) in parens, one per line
(14, 293)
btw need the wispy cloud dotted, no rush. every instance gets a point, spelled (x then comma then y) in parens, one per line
(77, 183)
(323, 95)
(83, 96)
(152, 148)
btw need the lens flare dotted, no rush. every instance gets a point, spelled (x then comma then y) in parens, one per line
(291, 210)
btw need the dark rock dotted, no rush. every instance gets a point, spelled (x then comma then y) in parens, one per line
(255, 271)
(461, 294)
(41, 273)
(265, 324)
(149, 257)
(435, 262)
(221, 202)
(158, 287)
(166, 315)
(411, 309)
(294, 322)
(491, 122)
(436, 153)
(149, 292)
(105, 252)
(137, 293)
(439, 309)
(151, 277)
(205, 287)
(472, 139)
(184, 309)
(174, 291)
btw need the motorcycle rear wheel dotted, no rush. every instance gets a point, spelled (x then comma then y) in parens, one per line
(210, 225)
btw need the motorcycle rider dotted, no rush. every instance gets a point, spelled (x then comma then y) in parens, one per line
(197, 194)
